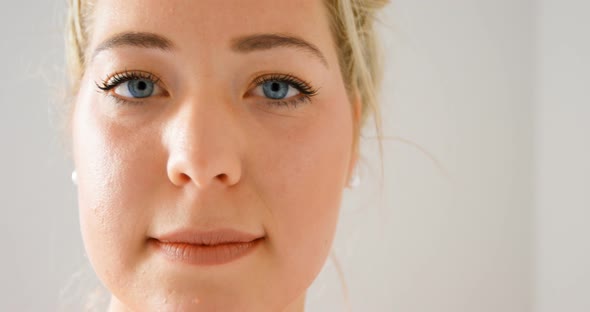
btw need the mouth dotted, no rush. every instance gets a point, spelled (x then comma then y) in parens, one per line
(206, 248)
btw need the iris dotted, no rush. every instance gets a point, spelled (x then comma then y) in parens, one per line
(275, 90)
(140, 88)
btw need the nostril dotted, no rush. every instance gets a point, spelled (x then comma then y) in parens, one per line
(182, 171)
(224, 178)
(184, 178)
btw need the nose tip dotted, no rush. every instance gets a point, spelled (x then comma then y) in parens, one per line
(221, 169)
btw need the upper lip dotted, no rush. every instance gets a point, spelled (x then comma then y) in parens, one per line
(214, 237)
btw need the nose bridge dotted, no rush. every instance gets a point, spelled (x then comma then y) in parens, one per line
(203, 144)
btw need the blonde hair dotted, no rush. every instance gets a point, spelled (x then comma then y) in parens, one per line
(352, 26)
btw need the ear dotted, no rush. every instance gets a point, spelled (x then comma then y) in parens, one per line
(356, 107)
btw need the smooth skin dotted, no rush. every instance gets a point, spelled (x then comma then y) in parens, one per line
(208, 150)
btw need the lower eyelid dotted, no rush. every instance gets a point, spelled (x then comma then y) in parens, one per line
(289, 103)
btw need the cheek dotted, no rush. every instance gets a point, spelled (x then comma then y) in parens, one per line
(114, 175)
(306, 173)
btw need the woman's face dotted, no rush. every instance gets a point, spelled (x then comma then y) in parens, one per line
(199, 116)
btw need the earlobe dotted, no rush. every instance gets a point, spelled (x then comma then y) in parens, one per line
(355, 179)
(353, 172)
(357, 113)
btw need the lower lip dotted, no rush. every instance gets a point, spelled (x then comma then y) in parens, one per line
(205, 255)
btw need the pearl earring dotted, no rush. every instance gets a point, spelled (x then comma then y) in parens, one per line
(74, 177)
(355, 179)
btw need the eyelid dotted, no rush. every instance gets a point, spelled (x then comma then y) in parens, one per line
(304, 88)
(117, 78)
(306, 91)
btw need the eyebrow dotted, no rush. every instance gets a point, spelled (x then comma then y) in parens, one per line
(135, 39)
(244, 44)
(261, 42)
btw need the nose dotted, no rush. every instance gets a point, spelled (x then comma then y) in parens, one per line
(203, 146)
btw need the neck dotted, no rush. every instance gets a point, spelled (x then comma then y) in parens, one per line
(296, 306)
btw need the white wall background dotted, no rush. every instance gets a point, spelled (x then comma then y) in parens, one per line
(496, 91)
(41, 244)
(562, 157)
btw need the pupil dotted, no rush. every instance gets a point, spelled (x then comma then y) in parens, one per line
(275, 87)
(141, 85)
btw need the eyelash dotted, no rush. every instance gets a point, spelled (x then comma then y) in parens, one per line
(118, 78)
(305, 89)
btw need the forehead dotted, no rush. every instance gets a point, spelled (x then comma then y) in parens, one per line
(206, 24)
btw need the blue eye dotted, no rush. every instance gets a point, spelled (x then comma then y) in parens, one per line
(276, 89)
(136, 88)
(131, 85)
